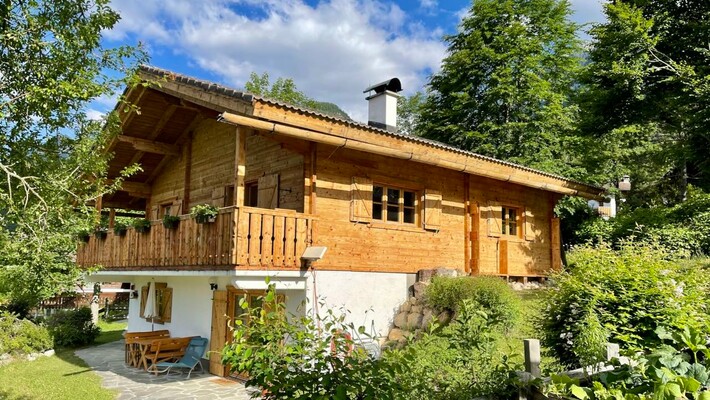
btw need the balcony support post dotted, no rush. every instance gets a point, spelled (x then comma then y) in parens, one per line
(240, 167)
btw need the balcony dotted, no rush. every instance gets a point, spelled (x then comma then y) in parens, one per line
(239, 237)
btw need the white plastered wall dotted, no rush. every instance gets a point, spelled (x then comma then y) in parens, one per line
(372, 298)
(191, 311)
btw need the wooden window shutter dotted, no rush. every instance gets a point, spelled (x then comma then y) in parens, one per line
(144, 295)
(528, 224)
(218, 195)
(432, 210)
(268, 196)
(167, 309)
(361, 199)
(176, 207)
(494, 214)
(153, 213)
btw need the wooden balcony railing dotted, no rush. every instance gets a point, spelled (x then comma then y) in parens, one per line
(264, 238)
(272, 238)
(190, 244)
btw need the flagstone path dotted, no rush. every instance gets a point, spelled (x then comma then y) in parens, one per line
(107, 361)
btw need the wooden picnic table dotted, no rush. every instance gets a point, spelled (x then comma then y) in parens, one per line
(132, 357)
(155, 350)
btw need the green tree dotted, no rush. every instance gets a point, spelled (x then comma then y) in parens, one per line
(645, 96)
(52, 161)
(409, 111)
(504, 88)
(284, 89)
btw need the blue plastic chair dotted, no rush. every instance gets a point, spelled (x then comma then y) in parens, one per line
(189, 361)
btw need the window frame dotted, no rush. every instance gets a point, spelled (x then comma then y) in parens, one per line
(251, 192)
(505, 222)
(384, 203)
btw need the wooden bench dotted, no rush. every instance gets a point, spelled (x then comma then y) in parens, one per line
(167, 349)
(132, 352)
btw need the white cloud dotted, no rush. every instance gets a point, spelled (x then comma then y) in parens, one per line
(94, 115)
(428, 3)
(332, 50)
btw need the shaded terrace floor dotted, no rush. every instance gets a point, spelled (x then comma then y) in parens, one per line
(132, 383)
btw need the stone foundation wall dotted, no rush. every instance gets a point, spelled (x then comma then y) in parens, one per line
(414, 316)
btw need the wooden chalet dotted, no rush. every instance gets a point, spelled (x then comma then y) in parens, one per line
(385, 205)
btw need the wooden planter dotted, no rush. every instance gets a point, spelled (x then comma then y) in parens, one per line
(171, 224)
(205, 219)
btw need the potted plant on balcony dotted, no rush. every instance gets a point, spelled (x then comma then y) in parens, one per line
(101, 232)
(141, 225)
(84, 235)
(120, 228)
(204, 213)
(171, 221)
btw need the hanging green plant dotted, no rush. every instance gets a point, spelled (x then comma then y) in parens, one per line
(171, 221)
(141, 225)
(204, 213)
(120, 228)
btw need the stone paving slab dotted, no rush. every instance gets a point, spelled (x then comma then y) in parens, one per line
(106, 360)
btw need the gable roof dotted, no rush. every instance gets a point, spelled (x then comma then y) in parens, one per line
(198, 99)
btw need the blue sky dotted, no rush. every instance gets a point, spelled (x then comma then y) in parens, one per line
(332, 49)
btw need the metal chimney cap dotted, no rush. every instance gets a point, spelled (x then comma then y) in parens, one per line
(393, 85)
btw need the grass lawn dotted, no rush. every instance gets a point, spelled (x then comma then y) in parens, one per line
(63, 376)
(110, 332)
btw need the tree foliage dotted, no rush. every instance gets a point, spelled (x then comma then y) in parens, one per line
(645, 98)
(409, 109)
(284, 89)
(504, 88)
(52, 64)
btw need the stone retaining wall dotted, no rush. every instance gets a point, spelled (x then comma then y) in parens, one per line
(413, 315)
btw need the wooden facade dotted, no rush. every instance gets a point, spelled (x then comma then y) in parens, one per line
(286, 178)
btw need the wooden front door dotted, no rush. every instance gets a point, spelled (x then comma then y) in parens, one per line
(226, 308)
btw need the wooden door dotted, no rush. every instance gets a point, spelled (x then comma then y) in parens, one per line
(268, 196)
(219, 332)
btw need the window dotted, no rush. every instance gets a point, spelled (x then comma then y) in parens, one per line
(163, 302)
(393, 204)
(165, 210)
(509, 223)
(228, 196)
(251, 194)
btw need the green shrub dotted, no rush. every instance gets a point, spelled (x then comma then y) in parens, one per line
(595, 230)
(73, 327)
(677, 369)
(21, 336)
(492, 294)
(460, 361)
(623, 294)
(304, 357)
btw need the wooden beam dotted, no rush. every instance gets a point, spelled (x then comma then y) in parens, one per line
(313, 197)
(99, 206)
(188, 175)
(111, 217)
(475, 238)
(240, 165)
(167, 159)
(133, 187)
(155, 132)
(150, 146)
(466, 224)
(376, 143)
(126, 117)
